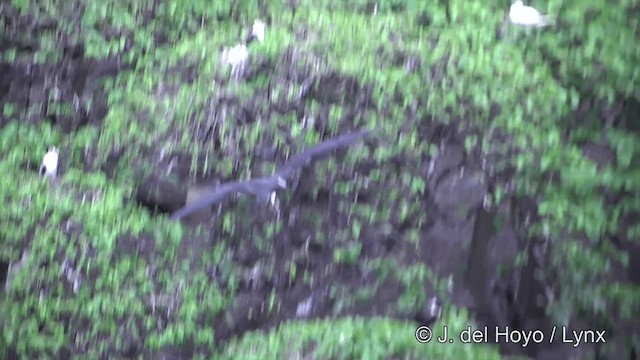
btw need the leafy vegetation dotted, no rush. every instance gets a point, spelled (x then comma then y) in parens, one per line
(133, 89)
(355, 338)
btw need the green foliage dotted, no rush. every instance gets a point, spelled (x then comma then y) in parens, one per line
(356, 338)
(348, 256)
(420, 64)
(75, 271)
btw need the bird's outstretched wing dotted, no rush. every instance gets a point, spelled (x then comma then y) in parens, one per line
(209, 199)
(324, 147)
(263, 186)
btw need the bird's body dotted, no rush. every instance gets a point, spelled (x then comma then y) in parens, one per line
(527, 16)
(238, 55)
(49, 166)
(264, 188)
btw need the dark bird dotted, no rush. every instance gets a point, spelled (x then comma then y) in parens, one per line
(264, 188)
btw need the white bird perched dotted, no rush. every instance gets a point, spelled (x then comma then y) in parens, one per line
(237, 56)
(49, 167)
(522, 15)
(257, 31)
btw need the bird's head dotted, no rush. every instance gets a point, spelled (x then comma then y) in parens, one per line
(53, 149)
(257, 30)
(282, 183)
(518, 3)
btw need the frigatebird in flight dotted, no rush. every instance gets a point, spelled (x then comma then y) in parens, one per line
(264, 188)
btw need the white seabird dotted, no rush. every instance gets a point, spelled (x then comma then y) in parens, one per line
(257, 30)
(522, 15)
(237, 55)
(49, 167)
